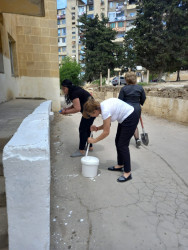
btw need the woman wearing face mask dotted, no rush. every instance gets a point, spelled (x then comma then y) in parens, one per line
(77, 96)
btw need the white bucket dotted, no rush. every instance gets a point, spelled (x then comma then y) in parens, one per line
(89, 166)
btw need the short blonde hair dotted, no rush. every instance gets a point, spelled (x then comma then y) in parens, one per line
(130, 78)
(89, 107)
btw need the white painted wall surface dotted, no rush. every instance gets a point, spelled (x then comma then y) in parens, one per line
(46, 87)
(26, 160)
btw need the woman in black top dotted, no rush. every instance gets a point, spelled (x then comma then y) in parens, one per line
(134, 95)
(78, 96)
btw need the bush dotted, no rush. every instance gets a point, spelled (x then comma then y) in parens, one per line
(97, 82)
(71, 70)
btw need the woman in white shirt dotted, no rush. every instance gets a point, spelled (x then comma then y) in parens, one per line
(114, 109)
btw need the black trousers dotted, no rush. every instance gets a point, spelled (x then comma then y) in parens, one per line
(84, 131)
(124, 133)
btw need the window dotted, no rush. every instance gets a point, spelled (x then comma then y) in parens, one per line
(63, 21)
(73, 16)
(58, 22)
(64, 49)
(111, 16)
(59, 49)
(73, 32)
(111, 4)
(91, 7)
(112, 25)
(1, 57)
(73, 47)
(59, 32)
(63, 31)
(90, 16)
(74, 51)
(132, 14)
(120, 24)
(63, 40)
(73, 23)
(73, 8)
(73, 37)
(13, 60)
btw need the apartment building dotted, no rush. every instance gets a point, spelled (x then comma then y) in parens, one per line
(29, 51)
(121, 16)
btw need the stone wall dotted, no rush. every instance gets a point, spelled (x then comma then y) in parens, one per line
(35, 56)
(169, 100)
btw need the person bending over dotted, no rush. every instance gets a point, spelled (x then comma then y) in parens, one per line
(114, 109)
(78, 96)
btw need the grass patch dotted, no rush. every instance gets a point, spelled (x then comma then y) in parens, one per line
(142, 83)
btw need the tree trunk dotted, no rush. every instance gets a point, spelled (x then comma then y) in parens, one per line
(160, 76)
(178, 76)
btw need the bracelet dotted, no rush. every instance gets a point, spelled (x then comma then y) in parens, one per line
(97, 128)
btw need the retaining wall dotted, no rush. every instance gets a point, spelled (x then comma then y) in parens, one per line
(26, 161)
(169, 101)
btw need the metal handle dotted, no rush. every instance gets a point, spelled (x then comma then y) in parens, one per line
(88, 145)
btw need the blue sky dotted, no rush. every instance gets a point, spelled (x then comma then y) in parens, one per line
(63, 3)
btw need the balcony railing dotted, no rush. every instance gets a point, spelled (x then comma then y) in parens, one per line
(60, 16)
(90, 2)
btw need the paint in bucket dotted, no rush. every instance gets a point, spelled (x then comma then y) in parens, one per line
(89, 166)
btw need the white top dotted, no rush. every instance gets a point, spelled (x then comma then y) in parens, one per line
(116, 109)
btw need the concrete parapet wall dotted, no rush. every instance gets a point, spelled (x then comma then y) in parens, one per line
(26, 161)
(168, 108)
(168, 100)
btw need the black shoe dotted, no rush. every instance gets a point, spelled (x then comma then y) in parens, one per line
(138, 143)
(115, 169)
(124, 179)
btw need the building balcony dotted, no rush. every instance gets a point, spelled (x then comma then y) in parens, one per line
(118, 40)
(62, 44)
(61, 17)
(130, 27)
(130, 18)
(89, 2)
(120, 29)
(61, 26)
(62, 53)
(131, 6)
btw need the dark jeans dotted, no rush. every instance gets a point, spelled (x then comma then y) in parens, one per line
(84, 131)
(124, 133)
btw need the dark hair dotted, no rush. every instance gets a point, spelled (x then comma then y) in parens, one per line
(68, 84)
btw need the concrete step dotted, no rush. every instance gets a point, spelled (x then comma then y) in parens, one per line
(3, 228)
(2, 192)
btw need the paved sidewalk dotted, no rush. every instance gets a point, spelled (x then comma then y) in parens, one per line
(150, 212)
(12, 113)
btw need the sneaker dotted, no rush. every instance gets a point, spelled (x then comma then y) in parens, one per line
(138, 143)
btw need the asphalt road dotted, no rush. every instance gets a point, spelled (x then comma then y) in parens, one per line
(150, 212)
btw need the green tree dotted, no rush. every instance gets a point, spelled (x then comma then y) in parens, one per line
(71, 70)
(160, 37)
(177, 36)
(100, 53)
(129, 54)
